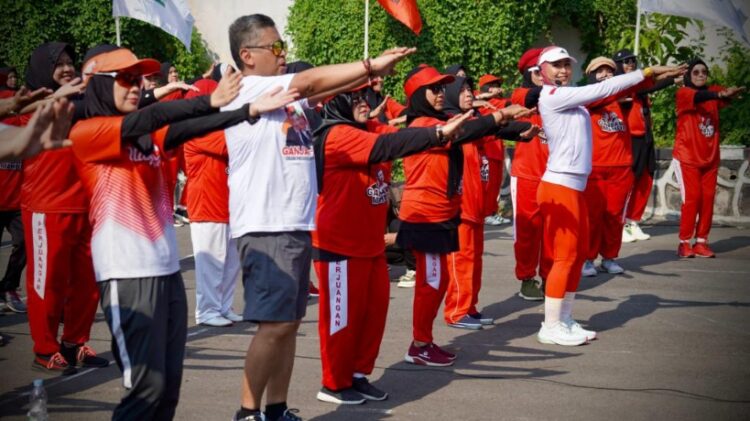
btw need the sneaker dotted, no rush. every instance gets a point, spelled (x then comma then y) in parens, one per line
(218, 321)
(254, 417)
(559, 334)
(290, 415)
(87, 357)
(178, 222)
(493, 220)
(407, 280)
(637, 232)
(576, 328)
(531, 290)
(467, 322)
(684, 250)
(627, 234)
(367, 390)
(700, 249)
(485, 321)
(589, 269)
(313, 291)
(54, 362)
(610, 266)
(427, 355)
(451, 356)
(233, 317)
(14, 302)
(347, 396)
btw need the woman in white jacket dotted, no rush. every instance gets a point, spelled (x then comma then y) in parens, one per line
(567, 125)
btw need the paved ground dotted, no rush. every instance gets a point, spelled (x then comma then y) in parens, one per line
(674, 344)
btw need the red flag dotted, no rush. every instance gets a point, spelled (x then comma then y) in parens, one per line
(405, 11)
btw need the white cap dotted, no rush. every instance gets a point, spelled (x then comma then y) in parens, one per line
(553, 54)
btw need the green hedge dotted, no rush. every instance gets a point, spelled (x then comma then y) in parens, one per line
(83, 24)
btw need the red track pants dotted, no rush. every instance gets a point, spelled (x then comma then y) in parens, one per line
(566, 227)
(606, 194)
(698, 190)
(465, 272)
(431, 283)
(354, 295)
(59, 278)
(639, 196)
(529, 247)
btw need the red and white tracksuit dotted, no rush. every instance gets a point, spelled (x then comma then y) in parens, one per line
(696, 150)
(529, 162)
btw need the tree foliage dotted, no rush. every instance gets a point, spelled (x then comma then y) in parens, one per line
(84, 24)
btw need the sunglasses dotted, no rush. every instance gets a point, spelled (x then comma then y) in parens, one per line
(700, 72)
(629, 61)
(277, 48)
(358, 98)
(124, 79)
(436, 89)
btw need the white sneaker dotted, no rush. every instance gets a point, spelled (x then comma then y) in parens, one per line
(493, 220)
(589, 269)
(627, 234)
(576, 328)
(637, 233)
(407, 280)
(560, 334)
(218, 321)
(233, 317)
(610, 266)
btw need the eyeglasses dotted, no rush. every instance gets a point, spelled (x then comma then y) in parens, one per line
(125, 79)
(436, 89)
(630, 60)
(277, 48)
(697, 72)
(358, 98)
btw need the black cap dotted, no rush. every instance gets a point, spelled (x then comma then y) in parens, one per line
(623, 55)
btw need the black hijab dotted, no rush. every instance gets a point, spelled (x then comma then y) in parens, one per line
(5, 71)
(42, 65)
(454, 68)
(336, 111)
(452, 94)
(419, 107)
(99, 100)
(164, 71)
(527, 82)
(688, 79)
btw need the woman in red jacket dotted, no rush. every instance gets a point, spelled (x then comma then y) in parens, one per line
(353, 166)
(696, 152)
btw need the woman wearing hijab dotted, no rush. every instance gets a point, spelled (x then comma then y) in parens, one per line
(696, 152)
(59, 273)
(611, 179)
(528, 165)
(637, 109)
(353, 166)
(8, 81)
(567, 126)
(430, 208)
(465, 274)
(119, 154)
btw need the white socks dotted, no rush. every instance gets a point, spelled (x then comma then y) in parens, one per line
(552, 310)
(566, 311)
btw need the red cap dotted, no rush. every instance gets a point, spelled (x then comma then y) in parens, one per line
(122, 59)
(528, 59)
(427, 75)
(488, 78)
(205, 87)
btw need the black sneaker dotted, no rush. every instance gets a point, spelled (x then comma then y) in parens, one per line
(252, 417)
(367, 390)
(531, 290)
(347, 396)
(290, 415)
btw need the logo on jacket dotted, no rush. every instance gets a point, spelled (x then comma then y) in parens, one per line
(484, 169)
(610, 123)
(153, 159)
(378, 191)
(707, 127)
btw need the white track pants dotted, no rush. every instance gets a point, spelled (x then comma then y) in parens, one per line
(217, 266)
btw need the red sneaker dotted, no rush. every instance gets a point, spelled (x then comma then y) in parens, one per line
(87, 357)
(312, 290)
(451, 356)
(54, 362)
(426, 355)
(703, 250)
(684, 250)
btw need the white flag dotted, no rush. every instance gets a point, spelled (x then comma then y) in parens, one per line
(719, 12)
(172, 16)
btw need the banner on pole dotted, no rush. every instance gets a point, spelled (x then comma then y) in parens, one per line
(171, 16)
(719, 12)
(404, 11)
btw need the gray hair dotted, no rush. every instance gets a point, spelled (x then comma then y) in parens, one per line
(246, 30)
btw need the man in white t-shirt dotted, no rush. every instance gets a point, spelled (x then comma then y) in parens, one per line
(272, 194)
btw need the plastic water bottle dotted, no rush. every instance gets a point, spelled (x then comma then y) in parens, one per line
(38, 402)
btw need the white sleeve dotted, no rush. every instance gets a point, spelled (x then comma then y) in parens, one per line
(563, 98)
(255, 86)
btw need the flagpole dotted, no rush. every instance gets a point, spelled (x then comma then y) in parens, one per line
(367, 25)
(117, 29)
(637, 26)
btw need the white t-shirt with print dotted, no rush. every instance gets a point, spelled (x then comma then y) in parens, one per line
(272, 182)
